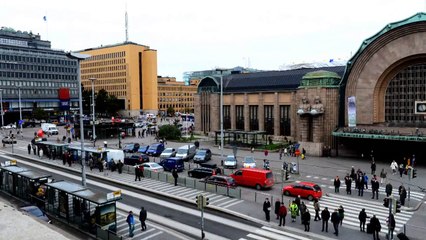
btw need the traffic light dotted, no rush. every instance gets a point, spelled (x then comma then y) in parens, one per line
(205, 201)
(396, 206)
(386, 202)
(199, 201)
(413, 173)
(286, 175)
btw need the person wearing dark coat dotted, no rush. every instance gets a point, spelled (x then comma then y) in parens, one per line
(335, 219)
(373, 167)
(388, 189)
(142, 218)
(137, 173)
(336, 184)
(375, 185)
(267, 209)
(175, 175)
(362, 219)
(348, 182)
(375, 227)
(120, 166)
(391, 224)
(402, 195)
(29, 149)
(360, 185)
(306, 220)
(282, 213)
(277, 208)
(325, 216)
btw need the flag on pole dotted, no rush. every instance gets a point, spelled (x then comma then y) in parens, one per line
(45, 18)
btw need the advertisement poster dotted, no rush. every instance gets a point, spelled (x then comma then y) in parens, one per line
(63, 204)
(351, 111)
(107, 216)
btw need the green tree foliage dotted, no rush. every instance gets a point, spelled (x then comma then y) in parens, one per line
(169, 132)
(39, 114)
(105, 104)
(170, 111)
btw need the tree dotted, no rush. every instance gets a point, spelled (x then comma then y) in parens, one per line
(170, 111)
(39, 113)
(169, 132)
(113, 105)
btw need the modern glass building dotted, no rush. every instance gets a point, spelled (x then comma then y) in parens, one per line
(29, 67)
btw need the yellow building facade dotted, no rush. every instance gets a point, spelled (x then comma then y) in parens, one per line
(127, 71)
(177, 95)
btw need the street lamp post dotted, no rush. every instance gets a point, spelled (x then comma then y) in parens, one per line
(2, 113)
(79, 57)
(221, 113)
(20, 112)
(93, 104)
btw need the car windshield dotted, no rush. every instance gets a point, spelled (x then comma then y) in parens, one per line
(249, 160)
(317, 188)
(230, 159)
(231, 180)
(168, 150)
(201, 152)
(128, 146)
(154, 165)
(143, 148)
(269, 175)
(153, 147)
(182, 151)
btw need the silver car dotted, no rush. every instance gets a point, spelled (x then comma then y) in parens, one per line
(230, 162)
(249, 162)
(168, 152)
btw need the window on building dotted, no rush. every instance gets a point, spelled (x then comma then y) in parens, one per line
(239, 114)
(269, 119)
(254, 120)
(285, 125)
(226, 117)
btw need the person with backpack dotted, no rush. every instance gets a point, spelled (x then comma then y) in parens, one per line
(375, 227)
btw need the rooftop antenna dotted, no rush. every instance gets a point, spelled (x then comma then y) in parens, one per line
(127, 33)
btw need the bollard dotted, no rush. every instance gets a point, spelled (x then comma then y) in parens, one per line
(405, 233)
(255, 196)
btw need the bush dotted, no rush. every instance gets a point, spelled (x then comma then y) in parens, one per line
(169, 132)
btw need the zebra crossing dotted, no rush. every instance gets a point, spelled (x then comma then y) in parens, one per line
(353, 206)
(414, 195)
(267, 233)
(123, 229)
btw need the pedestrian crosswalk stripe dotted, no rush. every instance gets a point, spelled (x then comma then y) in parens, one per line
(176, 190)
(143, 233)
(294, 236)
(227, 202)
(189, 195)
(187, 191)
(256, 237)
(280, 235)
(152, 235)
(215, 197)
(218, 200)
(232, 204)
(161, 188)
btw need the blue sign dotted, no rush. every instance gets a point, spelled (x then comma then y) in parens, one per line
(64, 105)
(20, 122)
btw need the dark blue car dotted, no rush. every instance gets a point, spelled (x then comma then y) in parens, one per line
(172, 163)
(155, 149)
(143, 149)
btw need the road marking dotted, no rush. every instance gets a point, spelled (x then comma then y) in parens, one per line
(308, 176)
(153, 235)
(316, 177)
(227, 202)
(232, 204)
(257, 237)
(219, 200)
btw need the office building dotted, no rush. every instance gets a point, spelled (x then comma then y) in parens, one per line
(176, 95)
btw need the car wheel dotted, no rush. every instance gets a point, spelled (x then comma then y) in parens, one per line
(258, 187)
(310, 198)
(287, 193)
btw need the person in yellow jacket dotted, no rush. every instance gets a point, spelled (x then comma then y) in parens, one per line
(293, 210)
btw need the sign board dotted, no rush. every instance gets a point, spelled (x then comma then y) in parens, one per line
(9, 163)
(351, 111)
(420, 107)
(114, 195)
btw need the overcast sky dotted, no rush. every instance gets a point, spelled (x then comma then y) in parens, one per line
(193, 35)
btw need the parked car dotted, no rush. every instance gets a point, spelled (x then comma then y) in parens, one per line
(143, 149)
(253, 177)
(172, 163)
(224, 181)
(8, 140)
(249, 162)
(155, 149)
(201, 172)
(152, 166)
(202, 155)
(131, 147)
(9, 126)
(307, 190)
(230, 162)
(36, 212)
(186, 152)
(135, 158)
(168, 152)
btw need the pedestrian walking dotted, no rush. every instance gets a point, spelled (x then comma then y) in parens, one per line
(266, 152)
(277, 208)
(142, 218)
(365, 181)
(341, 214)
(401, 169)
(306, 220)
(373, 167)
(100, 165)
(282, 213)
(29, 149)
(383, 175)
(175, 175)
(375, 227)
(294, 210)
(267, 209)
(325, 216)
(335, 220)
(360, 185)
(281, 153)
(336, 184)
(137, 173)
(353, 175)
(120, 166)
(34, 149)
(40, 153)
(391, 224)
(394, 167)
(302, 210)
(388, 189)
(131, 222)
(348, 182)
(375, 188)
(402, 195)
(317, 210)
(362, 216)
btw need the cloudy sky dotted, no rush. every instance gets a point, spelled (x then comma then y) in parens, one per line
(193, 35)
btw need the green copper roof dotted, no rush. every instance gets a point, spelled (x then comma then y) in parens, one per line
(320, 74)
(320, 78)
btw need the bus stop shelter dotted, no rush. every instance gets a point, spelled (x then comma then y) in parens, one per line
(75, 151)
(242, 138)
(9, 179)
(53, 149)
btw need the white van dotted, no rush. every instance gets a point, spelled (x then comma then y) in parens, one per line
(114, 154)
(186, 152)
(49, 128)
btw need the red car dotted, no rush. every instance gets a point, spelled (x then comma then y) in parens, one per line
(307, 190)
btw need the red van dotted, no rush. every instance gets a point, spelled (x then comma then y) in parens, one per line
(253, 177)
